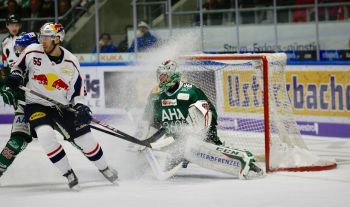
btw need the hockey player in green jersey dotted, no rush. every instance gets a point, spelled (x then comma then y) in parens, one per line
(169, 104)
(176, 106)
(20, 135)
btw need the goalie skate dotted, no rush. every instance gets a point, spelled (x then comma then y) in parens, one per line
(255, 171)
(110, 174)
(73, 182)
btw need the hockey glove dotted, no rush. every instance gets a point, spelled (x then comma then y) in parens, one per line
(83, 113)
(9, 96)
(15, 79)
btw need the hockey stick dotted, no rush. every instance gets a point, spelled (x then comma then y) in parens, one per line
(127, 138)
(156, 168)
(113, 131)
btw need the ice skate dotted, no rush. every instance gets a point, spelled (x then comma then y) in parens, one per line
(256, 169)
(185, 163)
(73, 182)
(110, 174)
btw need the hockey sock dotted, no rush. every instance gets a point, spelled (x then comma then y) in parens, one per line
(92, 150)
(53, 149)
(13, 147)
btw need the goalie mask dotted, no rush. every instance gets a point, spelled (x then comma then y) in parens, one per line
(167, 75)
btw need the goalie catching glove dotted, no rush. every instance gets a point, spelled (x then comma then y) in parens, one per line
(199, 116)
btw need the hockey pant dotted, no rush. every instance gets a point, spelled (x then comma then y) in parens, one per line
(42, 119)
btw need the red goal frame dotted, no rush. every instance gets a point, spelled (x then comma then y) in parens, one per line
(265, 64)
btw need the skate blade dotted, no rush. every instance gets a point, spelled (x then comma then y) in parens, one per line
(76, 188)
(116, 182)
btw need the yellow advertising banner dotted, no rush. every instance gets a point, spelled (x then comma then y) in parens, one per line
(320, 93)
(317, 93)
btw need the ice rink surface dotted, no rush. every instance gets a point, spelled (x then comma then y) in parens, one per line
(33, 181)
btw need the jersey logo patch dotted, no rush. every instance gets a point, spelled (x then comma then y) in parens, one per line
(37, 115)
(183, 96)
(187, 85)
(50, 81)
(169, 102)
(67, 71)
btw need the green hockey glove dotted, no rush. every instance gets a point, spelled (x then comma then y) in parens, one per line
(9, 96)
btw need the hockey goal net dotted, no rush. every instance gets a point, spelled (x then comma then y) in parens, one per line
(254, 109)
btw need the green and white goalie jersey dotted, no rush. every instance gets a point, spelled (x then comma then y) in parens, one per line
(171, 110)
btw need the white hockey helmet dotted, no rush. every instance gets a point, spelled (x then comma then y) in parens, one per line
(167, 75)
(53, 30)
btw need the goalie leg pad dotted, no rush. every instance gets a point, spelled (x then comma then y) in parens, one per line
(224, 159)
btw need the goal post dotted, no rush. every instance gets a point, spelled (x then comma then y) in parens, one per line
(253, 105)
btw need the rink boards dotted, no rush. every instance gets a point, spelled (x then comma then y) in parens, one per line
(320, 95)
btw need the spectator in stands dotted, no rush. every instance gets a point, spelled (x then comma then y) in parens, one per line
(145, 39)
(106, 44)
(63, 7)
(211, 18)
(48, 8)
(343, 11)
(301, 15)
(264, 16)
(6, 10)
(247, 17)
(33, 11)
(123, 45)
(12, 8)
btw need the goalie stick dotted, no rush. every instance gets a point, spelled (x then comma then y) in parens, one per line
(156, 168)
(113, 131)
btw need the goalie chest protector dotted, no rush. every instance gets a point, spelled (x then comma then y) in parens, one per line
(171, 110)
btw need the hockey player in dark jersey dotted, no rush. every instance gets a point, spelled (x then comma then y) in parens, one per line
(55, 72)
(176, 105)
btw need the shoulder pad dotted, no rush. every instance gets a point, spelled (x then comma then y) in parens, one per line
(34, 47)
(5, 40)
(7, 37)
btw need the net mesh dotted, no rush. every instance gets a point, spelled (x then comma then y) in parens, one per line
(234, 84)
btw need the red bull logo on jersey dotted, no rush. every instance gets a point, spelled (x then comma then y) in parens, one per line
(50, 81)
